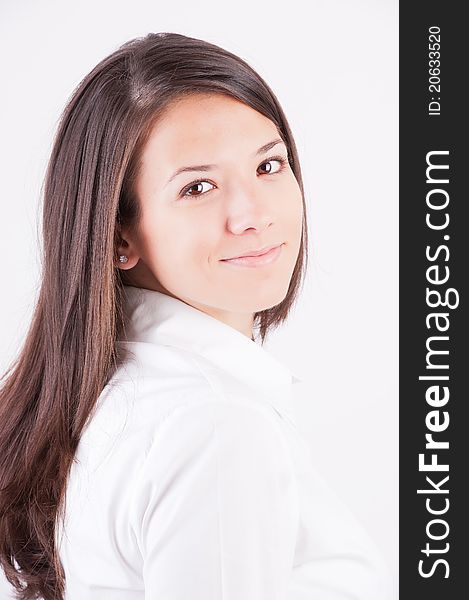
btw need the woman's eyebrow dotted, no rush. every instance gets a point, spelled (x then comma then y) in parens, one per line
(261, 150)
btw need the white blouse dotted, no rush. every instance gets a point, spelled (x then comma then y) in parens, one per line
(192, 481)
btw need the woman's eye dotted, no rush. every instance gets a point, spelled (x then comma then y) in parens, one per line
(195, 184)
(281, 161)
(199, 182)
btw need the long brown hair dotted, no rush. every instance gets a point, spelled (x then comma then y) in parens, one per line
(49, 392)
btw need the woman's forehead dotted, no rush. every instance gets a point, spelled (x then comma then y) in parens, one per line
(202, 128)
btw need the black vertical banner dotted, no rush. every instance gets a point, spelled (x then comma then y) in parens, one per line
(434, 269)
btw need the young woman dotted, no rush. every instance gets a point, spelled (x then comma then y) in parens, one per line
(148, 448)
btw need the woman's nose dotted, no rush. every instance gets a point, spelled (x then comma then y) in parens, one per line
(247, 209)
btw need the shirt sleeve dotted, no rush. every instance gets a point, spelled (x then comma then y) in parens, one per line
(218, 506)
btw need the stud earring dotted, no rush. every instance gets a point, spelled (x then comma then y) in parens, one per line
(123, 259)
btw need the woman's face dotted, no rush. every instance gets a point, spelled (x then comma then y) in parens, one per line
(244, 202)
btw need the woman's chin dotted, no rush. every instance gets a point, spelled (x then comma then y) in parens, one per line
(257, 300)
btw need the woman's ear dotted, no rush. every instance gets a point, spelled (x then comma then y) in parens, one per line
(126, 253)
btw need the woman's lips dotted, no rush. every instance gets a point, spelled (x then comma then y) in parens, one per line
(268, 257)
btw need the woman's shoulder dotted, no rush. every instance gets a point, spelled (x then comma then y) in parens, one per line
(159, 386)
(148, 385)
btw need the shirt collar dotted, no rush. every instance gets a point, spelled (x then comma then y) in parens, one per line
(157, 318)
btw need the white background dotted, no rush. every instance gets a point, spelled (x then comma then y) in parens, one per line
(333, 66)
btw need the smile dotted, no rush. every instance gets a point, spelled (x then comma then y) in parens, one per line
(260, 260)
